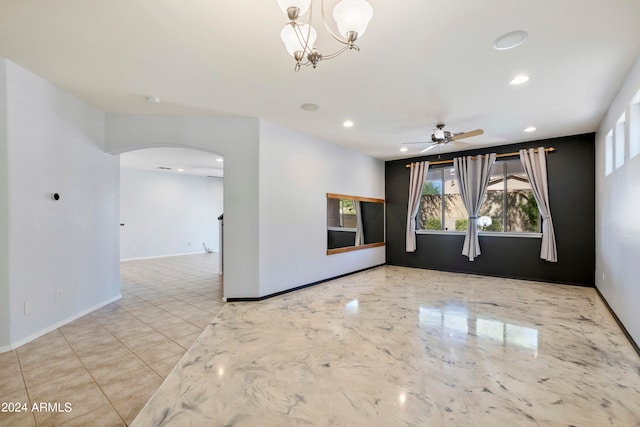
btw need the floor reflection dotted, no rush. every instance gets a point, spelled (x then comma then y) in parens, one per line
(457, 320)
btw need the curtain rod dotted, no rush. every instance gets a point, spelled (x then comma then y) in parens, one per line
(515, 153)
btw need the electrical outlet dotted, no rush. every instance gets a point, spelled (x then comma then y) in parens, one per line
(27, 307)
(58, 295)
(299, 268)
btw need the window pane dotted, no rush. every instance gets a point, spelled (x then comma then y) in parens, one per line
(522, 209)
(608, 154)
(430, 212)
(620, 142)
(491, 216)
(634, 127)
(348, 214)
(333, 212)
(455, 215)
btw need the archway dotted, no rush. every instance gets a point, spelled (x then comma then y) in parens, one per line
(237, 139)
(170, 199)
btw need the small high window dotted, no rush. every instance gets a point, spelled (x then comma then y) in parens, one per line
(608, 153)
(634, 127)
(619, 141)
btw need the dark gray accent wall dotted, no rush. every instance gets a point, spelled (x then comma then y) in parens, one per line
(340, 239)
(571, 174)
(372, 222)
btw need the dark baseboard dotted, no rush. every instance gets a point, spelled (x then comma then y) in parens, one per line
(615, 316)
(297, 288)
(497, 276)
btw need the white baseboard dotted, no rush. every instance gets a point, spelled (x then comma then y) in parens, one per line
(55, 326)
(165, 256)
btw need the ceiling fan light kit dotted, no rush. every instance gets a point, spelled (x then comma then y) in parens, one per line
(351, 18)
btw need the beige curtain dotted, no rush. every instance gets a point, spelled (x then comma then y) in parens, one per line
(535, 165)
(473, 179)
(416, 181)
(357, 207)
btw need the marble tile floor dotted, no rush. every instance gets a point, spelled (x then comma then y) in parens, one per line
(396, 346)
(108, 363)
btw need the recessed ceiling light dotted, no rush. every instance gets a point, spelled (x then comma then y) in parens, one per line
(153, 99)
(219, 159)
(347, 124)
(518, 80)
(403, 149)
(510, 40)
(180, 170)
(309, 107)
(530, 129)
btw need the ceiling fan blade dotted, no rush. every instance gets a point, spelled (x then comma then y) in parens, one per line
(416, 142)
(428, 148)
(467, 134)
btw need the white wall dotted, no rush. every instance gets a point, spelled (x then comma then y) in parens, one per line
(5, 341)
(235, 138)
(296, 173)
(55, 144)
(167, 213)
(617, 211)
(265, 163)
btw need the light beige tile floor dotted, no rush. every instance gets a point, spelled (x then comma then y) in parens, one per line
(108, 363)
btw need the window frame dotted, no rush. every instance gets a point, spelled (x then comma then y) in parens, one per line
(521, 234)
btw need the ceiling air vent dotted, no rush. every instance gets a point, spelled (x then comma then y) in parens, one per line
(164, 168)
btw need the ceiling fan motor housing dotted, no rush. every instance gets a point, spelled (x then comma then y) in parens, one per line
(439, 136)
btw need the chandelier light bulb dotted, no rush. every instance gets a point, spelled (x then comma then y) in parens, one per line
(293, 35)
(302, 5)
(352, 15)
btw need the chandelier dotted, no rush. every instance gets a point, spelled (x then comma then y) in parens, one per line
(299, 37)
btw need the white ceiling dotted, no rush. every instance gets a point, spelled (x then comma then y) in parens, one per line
(178, 160)
(421, 62)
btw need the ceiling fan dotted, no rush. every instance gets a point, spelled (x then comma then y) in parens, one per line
(441, 136)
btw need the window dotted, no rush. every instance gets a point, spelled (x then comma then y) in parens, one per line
(441, 202)
(509, 204)
(619, 139)
(608, 154)
(634, 127)
(340, 213)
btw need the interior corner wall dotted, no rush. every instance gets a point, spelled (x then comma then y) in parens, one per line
(570, 173)
(63, 255)
(235, 138)
(296, 173)
(617, 210)
(5, 337)
(164, 213)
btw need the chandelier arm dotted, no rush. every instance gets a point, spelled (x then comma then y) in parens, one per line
(304, 42)
(334, 54)
(326, 26)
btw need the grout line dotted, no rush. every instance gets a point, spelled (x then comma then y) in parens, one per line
(93, 379)
(26, 389)
(177, 281)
